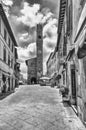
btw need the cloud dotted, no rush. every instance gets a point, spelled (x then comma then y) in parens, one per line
(33, 1)
(17, 2)
(8, 2)
(27, 38)
(26, 23)
(49, 44)
(30, 18)
(23, 68)
(24, 54)
(50, 28)
(52, 5)
(28, 52)
(24, 16)
(49, 40)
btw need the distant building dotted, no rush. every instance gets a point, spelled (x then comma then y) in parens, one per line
(35, 65)
(52, 67)
(7, 54)
(49, 65)
(32, 70)
(17, 73)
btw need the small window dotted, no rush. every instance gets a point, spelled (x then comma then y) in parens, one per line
(39, 37)
(4, 54)
(9, 59)
(11, 63)
(12, 47)
(9, 42)
(5, 34)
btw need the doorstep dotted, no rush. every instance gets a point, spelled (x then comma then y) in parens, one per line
(66, 99)
(84, 123)
(74, 108)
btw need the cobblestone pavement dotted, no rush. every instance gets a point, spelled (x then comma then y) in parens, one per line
(37, 108)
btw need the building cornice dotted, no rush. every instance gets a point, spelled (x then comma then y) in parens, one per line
(61, 20)
(61, 15)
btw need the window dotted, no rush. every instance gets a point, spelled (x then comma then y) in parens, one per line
(5, 34)
(12, 47)
(11, 63)
(65, 46)
(9, 59)
(4, 54)
(9, 42)
(73, 82)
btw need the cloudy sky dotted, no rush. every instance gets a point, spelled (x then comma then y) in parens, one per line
(23, 16)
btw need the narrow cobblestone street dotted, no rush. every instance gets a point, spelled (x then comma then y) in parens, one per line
(37, 108)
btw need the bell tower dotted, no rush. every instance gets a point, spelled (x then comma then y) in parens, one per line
(39, 45)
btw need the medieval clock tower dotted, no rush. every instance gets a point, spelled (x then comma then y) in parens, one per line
(39, 45)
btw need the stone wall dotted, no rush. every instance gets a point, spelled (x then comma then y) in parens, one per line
(39, 45)
(32, 69)
(80, 64)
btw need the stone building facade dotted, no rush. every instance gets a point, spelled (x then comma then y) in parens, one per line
(17, 72)
(80, 60)
(52, 67)
(8, 54)
(49, 65)
(31, 70)
(71, 49)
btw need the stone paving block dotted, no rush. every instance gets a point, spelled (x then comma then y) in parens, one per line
(33, 112)
(5, 126)
(21, 125)
(45, 126)
(33, 121)
(23, 116)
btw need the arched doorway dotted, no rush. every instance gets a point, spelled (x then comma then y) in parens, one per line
(33, 80)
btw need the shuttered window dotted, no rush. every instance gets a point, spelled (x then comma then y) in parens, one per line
(65, 46)
(9, 59)
(69, 17)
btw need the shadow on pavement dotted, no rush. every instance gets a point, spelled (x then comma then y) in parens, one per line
(4, 95)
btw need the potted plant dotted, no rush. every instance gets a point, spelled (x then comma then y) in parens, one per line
(64, 90)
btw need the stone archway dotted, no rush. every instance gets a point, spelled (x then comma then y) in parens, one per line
(33, 80)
